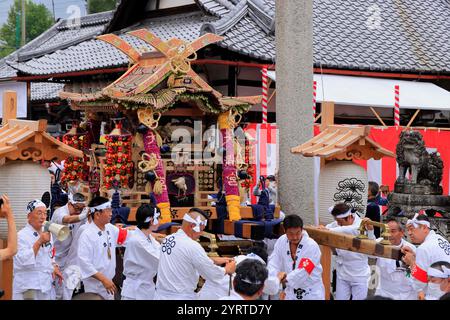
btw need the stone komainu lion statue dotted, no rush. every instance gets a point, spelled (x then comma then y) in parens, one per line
(425, 168)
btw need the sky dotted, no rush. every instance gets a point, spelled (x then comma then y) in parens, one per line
(63, 8)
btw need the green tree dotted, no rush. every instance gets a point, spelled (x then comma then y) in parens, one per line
(94, 6)
(38, 20)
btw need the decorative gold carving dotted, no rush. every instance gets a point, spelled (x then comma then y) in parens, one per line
(149, 118)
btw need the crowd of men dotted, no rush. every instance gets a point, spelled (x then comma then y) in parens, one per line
(46, 268)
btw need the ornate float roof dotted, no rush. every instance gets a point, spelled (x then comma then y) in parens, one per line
(158, 79)
(27, 140)
(343, 143)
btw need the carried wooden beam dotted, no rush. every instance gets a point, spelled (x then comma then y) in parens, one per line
(179, 212)
(351, 243)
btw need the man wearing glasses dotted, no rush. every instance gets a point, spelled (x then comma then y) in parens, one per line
(395, 280)
(34, 264)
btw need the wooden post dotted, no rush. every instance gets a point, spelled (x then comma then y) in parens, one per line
(9, 106)
(6, 278)
(325, 261)
(327, 113)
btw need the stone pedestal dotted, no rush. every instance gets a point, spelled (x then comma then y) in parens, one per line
(419, 189)
(412, 203)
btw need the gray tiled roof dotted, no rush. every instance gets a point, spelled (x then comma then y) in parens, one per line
(59, 36)
(96, 54)
(388, 35)
(391, 35)
(6, 71)
(45, 91)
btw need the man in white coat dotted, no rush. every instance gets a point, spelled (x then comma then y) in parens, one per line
(248, 284)
(72, 271)
(73, 216)
(432, 248)
(34, 265)
(97, 250)
(297, 256)
(352, 268)
(183, 260)
(395, 281)
(141, 257)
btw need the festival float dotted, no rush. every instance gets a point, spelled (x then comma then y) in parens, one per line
(155, 144)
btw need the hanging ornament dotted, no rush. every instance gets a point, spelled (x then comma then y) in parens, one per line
(119, 169)
(76, 168)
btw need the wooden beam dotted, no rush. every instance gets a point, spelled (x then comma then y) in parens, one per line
(9, 106)
(351, 243)
(179, 212)
(327, 114)
(378, 116)
(40, 125)
(249, 230)
(413, 118)
(325, 261)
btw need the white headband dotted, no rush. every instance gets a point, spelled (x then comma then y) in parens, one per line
(342, 215)
(433, 272)
(252, 255)
(106, 205)
(416, 222)
(155, 217)
(35, 204)
(73, 201)
(198, 222)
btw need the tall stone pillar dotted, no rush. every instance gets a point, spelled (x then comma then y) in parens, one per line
(294, 63)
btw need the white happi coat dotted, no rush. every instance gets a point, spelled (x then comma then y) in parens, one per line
(93, 256)
(351, 266)
(30, 271)
(304, 274)
(435, 248)
(63, 247)
(394, 281)
(71, 279)
(215, 289)
(72, 255)
(181, 263)
(140, 265)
